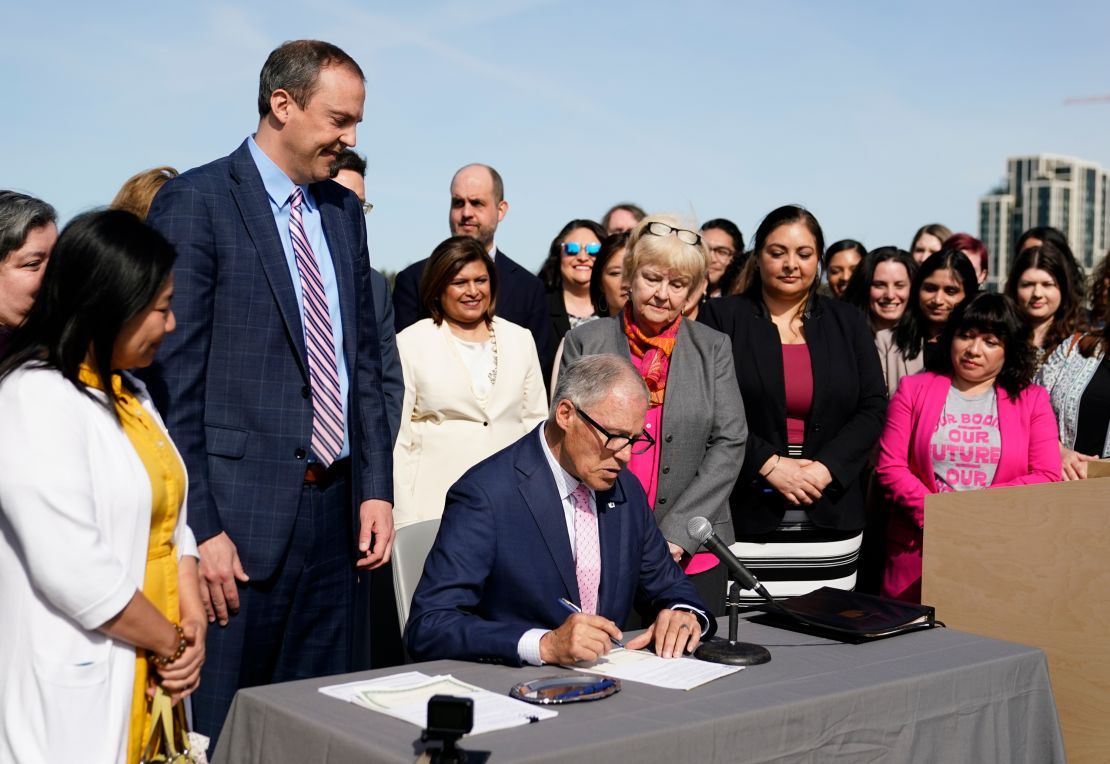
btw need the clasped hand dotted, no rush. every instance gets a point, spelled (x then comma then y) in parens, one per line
(800, 481)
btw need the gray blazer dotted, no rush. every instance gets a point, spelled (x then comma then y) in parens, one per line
(704, 427)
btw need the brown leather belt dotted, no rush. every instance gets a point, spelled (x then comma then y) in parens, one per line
(318, 474)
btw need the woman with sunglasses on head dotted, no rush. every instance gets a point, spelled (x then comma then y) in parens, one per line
(815, 398)
(695, 418)
(473, 383)
(566, 275)
(972, 421)
(99, 592)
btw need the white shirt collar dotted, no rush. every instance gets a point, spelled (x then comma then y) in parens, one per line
(565, 481)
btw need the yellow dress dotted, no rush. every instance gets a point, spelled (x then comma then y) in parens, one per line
(167, 483)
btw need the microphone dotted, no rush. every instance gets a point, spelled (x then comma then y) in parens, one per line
(701, 531)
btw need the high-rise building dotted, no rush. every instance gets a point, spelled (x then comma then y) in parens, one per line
(1046, 190)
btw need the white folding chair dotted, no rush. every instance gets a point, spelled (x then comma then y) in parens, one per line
(410, 549)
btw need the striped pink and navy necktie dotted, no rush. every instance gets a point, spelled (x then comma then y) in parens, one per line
(323, 371)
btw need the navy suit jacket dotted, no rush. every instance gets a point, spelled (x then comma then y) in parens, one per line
(393, 381)
(232, 380)
(502, 559)
(520, 299)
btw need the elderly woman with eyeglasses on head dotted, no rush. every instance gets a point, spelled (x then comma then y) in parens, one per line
(696, 418)
(566, 275)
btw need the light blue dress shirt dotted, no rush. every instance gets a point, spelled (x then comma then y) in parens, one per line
(278, 188)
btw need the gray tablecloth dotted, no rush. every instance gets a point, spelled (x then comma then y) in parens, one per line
(937, 696)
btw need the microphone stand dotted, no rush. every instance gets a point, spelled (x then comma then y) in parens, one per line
(731, 652)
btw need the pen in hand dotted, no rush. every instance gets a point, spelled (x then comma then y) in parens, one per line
(571, 607)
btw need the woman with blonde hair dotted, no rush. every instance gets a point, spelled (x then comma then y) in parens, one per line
(138, 191)
(695, 418)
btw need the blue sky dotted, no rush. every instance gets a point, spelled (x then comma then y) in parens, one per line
(877, 116)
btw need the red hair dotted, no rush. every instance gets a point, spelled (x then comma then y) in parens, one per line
(969, 245)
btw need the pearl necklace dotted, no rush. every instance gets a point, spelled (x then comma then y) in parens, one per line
(493, 347)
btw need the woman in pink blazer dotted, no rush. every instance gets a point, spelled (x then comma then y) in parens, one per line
(973, 422)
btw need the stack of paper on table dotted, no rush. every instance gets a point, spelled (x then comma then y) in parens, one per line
(405, 696)
(684, 673)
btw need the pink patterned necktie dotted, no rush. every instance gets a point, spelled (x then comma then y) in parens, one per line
(587, 557)
(323, 372)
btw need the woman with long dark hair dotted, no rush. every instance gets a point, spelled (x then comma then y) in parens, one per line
(1077, 376)
(815, 398)
(99, 591)
(943, 281)
(608, 291)
(881, 288)
(726, 247)
(974, 421)
(840, 261)
(1041, 285)
(566, 275)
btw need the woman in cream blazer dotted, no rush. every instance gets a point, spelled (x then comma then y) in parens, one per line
(452, 416)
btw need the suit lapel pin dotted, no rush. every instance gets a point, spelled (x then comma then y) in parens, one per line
(611, 504)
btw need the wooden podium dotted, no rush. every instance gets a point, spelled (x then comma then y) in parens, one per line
(1031, 564)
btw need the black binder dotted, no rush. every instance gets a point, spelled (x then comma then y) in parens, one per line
(848, 616)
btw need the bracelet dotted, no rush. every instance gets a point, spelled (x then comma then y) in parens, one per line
(778, 458)
(165, 660)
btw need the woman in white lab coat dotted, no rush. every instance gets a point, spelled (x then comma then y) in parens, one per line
(98, 577)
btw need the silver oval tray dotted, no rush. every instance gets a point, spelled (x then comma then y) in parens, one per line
(557, 690)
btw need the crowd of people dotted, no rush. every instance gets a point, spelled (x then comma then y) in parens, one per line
(220, 335)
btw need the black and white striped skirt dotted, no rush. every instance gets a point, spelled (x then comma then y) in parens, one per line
(798, 557)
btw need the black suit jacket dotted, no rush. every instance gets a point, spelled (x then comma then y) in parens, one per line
(557, 314)
(520, 299)
(845, 420)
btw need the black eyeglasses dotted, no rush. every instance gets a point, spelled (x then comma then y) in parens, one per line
(641, 443)
(659, 228)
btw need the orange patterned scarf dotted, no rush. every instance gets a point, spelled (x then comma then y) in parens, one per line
(655, 352)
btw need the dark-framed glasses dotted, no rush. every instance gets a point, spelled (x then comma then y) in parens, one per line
(684, 234)
(573, 248)
(640, 443)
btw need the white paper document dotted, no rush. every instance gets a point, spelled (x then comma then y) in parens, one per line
(684, 673)
(405, 696)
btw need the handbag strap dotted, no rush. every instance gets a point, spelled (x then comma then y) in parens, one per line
(165, 719)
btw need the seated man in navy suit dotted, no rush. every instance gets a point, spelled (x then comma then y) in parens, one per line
(553, 516)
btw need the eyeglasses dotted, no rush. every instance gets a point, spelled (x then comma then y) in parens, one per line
(684, 234)
(366, 207)
(722, 252)
(641, 443)
(573, 248)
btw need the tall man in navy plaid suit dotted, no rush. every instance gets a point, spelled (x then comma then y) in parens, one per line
(270, 252)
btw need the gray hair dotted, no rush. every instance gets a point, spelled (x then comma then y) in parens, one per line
(295, 67)
(19, 214)
(589, 379)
